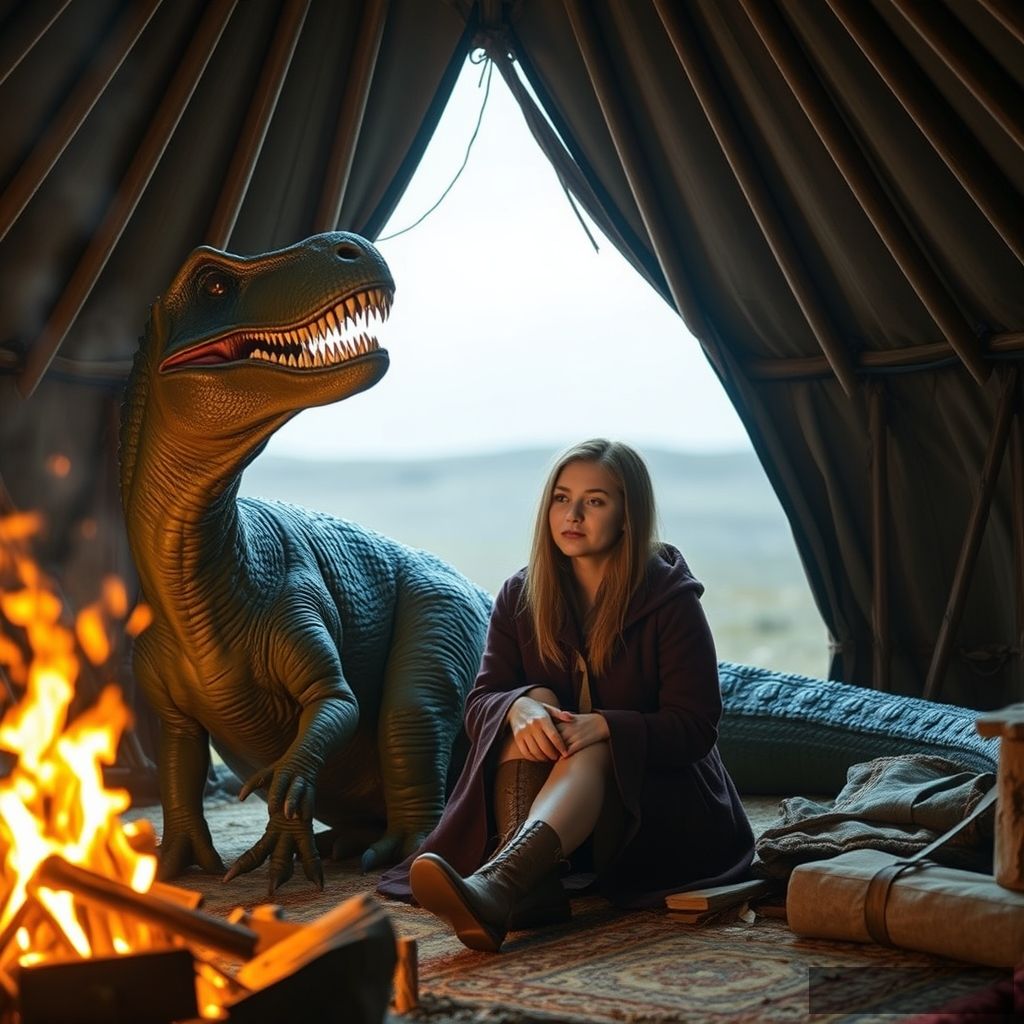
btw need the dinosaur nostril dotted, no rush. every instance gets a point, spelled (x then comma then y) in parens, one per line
(349, 251)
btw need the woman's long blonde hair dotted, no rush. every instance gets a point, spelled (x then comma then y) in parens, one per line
(547, 594)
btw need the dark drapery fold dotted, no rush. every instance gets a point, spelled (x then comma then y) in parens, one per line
(829, 193)
(826, 164)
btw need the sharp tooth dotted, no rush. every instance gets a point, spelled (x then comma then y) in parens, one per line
(332, 323)
(318, 358)
(291, 360)
(304, 360)
(350, 309)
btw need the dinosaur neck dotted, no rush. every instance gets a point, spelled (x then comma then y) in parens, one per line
(183, 525)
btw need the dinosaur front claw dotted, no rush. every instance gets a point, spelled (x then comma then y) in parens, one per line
(282, 840)
(185, 845)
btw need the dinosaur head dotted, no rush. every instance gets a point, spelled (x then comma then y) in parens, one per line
(239, 344)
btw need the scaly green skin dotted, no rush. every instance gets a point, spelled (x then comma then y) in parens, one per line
(327, 663)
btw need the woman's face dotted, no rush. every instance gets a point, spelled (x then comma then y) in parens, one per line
(587, 512)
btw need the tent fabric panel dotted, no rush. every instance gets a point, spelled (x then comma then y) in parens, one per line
(983, 274)
(812, 438)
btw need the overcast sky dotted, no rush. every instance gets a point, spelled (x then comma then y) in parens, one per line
(508, 330)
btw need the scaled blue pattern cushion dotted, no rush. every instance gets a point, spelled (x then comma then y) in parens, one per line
(784, 733)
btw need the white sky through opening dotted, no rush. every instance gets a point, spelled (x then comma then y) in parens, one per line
(508, 330)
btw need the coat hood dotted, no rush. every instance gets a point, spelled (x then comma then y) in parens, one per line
(667, 577)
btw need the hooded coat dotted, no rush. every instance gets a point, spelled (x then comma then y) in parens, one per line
(685, 825)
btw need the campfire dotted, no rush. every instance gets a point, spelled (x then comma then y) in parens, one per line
(81, 917)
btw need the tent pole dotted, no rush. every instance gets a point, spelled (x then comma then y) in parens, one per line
(10, 63)
(570, 175)
(1017, 485)
(895, 359)
(957, 49)
(78, 289)
(630, 152)
(257, 121)
(737, 153)
(981, 179)
(879, 432)
(66, 123)
(350, 115)
(972, 536)
(1007, 13)
(846, 153)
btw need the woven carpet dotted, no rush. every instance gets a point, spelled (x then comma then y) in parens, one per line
(607, 965)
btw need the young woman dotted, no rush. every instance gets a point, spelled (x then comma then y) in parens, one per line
(593, 723)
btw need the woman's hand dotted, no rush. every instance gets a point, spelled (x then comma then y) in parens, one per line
(534, 730)
(579, 731)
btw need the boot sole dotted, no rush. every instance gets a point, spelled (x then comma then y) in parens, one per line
(435, 891)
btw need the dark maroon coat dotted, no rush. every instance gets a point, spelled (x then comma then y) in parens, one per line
(660, 697)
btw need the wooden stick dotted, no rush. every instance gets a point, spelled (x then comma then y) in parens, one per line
(954, 45)
(103, 241)
(406, 986)
(192, 925)
(64, 126)
(350, 116)
(755, 191)
(879, 431)
(1017, 487)
(1008, 14)
(641, 183)
(847, 154)
(257, 121)
(972, 537)
(924, 357)
(9, 62)
(981, 179)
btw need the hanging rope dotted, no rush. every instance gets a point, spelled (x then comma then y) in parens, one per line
(485, 79)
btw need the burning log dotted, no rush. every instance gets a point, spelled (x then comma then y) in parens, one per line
(85, 932)
(192, 925)
(406, 995)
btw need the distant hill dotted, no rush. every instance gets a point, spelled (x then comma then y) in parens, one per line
(477, 512)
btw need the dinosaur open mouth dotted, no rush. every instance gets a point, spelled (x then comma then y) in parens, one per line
(342, 333)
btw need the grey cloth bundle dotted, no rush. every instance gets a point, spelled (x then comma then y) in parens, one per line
(896, 805)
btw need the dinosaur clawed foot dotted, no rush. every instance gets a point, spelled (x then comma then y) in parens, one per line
(284, 839)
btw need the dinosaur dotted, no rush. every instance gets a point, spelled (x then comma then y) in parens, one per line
(328, 664)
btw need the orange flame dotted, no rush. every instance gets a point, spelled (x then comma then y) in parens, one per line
(54, 800)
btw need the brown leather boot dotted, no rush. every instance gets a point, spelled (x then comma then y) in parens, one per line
(516, 784)
(478, 907)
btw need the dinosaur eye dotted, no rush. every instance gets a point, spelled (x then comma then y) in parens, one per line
(215, 283)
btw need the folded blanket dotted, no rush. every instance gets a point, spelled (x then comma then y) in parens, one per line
(894, 804)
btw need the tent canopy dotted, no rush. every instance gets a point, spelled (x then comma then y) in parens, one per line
(830, 194)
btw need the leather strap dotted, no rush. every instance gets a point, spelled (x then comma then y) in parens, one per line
(882, 881)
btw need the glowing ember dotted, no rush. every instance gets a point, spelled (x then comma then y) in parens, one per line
(53, 800)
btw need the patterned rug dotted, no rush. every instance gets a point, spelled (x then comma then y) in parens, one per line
(607, 966)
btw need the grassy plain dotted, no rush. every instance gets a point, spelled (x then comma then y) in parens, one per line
(477, 513)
